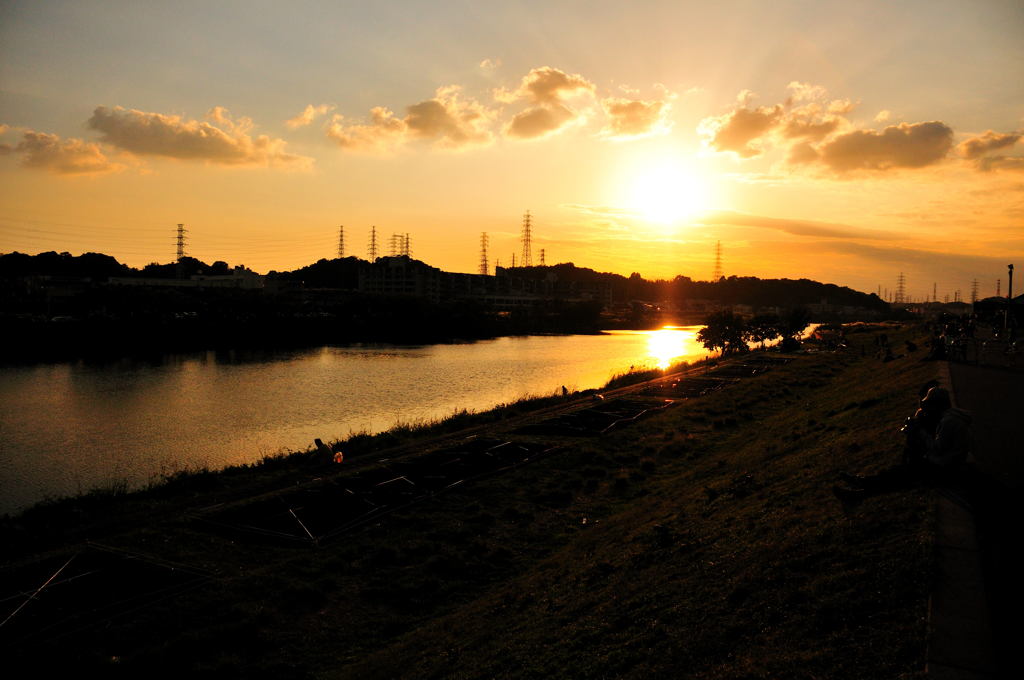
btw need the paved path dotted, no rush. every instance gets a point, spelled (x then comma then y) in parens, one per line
(995, 397)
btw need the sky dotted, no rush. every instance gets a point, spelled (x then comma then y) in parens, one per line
(845, 142)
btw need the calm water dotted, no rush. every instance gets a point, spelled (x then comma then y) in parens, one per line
(69, 427)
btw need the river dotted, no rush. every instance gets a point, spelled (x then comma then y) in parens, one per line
(66, 428)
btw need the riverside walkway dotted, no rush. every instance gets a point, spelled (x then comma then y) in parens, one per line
(994, 394)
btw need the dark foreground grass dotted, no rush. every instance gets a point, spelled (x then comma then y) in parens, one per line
(703, 542)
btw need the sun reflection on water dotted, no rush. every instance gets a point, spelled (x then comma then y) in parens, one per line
(670, 344)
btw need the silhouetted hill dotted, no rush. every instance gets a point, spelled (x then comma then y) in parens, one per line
(87, 265)
(336, 273)
(749, 290)
(343, 273)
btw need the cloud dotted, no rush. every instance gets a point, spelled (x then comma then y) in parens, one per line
(790, 226)
(450, 120)
(952, 264)
(540, 121)
(989, 163)
(976, 147)
(907, 145)
(446, 119)
(383, 129)
(599, 210)
(979, 147)
(739, 131)
(170, 136)
(797, 128)
(883, 115)
(547, 85)
(545, 89)
(308, 115)
(816, 133)
(807, 115)
(44, 151)
(490, 64)
(633, 118)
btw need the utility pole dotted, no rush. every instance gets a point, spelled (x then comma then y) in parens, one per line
(483, 254)
(999, 283)
(1009, 297)
(341, 242)
(527, 238)
(181, 241)
(179, 269)
(935, 297)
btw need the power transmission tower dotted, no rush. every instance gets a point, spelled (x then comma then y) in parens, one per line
(901, 288)
(373, 244)
(341, 242)
(406, 248)
(396, 245)
(935, 289)
(999, 284)
(974, 291)
(181, 241)
(542, 262)
(717, 273)
(483, 253)
(513, 260)
(527, 260)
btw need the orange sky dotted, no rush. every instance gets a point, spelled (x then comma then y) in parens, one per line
(843, 142)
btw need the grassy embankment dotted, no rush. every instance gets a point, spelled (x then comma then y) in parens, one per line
(702, 542)
(116, 503)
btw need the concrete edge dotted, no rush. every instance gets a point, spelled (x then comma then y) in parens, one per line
(960, 644)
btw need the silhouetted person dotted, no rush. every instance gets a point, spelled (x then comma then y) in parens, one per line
(324, 452)
(938, 441)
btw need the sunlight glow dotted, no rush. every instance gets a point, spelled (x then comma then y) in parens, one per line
(668, 192)
(670, 344)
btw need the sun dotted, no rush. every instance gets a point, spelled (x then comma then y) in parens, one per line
(667, 193)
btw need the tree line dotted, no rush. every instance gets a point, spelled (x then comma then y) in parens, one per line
(732, 334)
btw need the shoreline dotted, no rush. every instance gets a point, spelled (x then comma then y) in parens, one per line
(356, 445)
(712, 518)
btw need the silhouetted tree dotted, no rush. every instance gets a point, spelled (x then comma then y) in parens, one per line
(764, 328)
(794, 322)
(725, 331)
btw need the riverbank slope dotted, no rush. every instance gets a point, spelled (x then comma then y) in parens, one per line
(702, 541)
